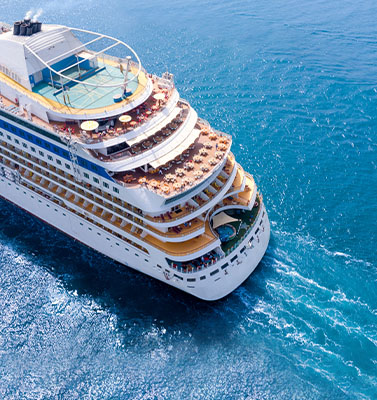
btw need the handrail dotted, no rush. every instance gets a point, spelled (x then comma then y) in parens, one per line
(95, 216)
(107, 203)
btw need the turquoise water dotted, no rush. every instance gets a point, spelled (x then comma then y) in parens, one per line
(225, 232)
(295, 83)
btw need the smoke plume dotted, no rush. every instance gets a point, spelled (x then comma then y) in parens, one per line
(28, 14)
(37, 15)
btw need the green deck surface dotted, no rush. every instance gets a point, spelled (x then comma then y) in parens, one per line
(246, 220)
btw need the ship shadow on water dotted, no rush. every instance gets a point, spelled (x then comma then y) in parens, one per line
(129, 294)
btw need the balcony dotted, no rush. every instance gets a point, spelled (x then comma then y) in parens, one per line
(189, 168)
(113, 128)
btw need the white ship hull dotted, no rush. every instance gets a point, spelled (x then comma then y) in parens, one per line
(124, 165)
(232, 270)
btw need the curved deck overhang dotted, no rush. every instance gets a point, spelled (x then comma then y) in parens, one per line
(144, 129)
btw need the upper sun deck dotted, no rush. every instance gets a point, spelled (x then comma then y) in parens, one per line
(68, 73)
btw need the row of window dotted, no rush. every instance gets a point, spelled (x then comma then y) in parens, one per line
(58, 161)
(98, 233)
(50, 147)
(10, 73)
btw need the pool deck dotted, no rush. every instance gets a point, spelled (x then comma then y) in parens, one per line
(60, 108)
(246, 219)
(88, 97)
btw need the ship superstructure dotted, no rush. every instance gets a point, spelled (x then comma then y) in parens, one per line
(111, 155)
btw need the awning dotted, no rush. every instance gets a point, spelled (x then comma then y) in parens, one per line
(177, 151)
(155, 128)
(222, 219)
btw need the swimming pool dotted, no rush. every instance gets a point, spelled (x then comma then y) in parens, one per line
(226, 232)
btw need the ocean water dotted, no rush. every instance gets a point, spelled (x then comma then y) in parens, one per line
(295, 83)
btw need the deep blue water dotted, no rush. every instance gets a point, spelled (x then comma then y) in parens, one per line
(295, 83)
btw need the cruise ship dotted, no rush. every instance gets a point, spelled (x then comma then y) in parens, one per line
(111, 155)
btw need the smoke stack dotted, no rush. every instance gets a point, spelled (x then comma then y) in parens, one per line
(16, 28)
(23, 29)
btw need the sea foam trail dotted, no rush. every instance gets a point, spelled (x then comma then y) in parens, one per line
(325, 322)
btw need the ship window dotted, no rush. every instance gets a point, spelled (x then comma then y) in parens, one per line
(39, 141)
(137, 255)
(257, 231)
(32, 149)
(191, 280)
(81, 224)
(116, 190)
(67, 166)
(117, 244)
(24, 145)
(202, 277)
(233, 259)
(49, 157)
(106, 185)
(214, 272)
(41, 153)
(146, 260)
(98, 234)
(243, 249)
(95, 179)
(9, 138)
(224, 266)
(86, 175)
(159, 266)
(107, 238)
(90, 229)
(179, 277)
(17, 141)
